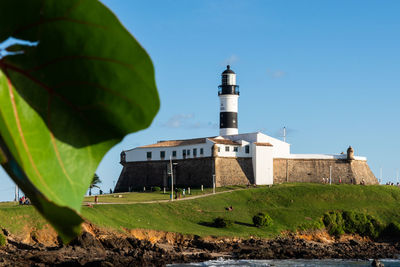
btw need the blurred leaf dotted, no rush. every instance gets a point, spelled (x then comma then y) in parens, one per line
(65, 102)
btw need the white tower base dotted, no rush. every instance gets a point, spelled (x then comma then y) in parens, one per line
(228, 131)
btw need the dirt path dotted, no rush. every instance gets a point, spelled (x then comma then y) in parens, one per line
(85, 203)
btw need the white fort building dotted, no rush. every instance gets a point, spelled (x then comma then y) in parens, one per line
(248, 158)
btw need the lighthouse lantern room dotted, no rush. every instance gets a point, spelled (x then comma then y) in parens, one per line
(228, 95)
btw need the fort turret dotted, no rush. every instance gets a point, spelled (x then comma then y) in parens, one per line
(228, 93)
(350, 153)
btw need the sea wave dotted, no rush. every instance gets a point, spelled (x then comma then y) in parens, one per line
(289, 263)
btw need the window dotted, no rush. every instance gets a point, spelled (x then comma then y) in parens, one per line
(188, 152)
(162, 154)
(247, 149)
(219, 149)
(174, 153)
(148, 155)
(224, 79)
(123, 156)
(201, 151)
(235, 149)
(184, 153)
(194, 152)
(227, 148)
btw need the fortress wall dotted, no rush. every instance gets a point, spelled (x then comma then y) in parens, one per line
(233, 171)
(136, 175)
(194, 172)
(188, 172)
(239, 171)
(313, 170)
(361, 170)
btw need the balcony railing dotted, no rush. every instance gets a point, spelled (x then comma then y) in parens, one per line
(228, 90)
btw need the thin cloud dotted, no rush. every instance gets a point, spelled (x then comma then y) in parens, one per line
(276, 74)
(187, 121)
(178, 120)
(231, 60)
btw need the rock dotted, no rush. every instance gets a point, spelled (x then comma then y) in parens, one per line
(377, 263)
(354, 242)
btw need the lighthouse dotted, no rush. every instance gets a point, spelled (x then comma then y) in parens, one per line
(228, 93)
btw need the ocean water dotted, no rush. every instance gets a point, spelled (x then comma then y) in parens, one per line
(289, 263)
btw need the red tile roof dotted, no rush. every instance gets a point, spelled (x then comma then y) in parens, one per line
(172, 143)
(262, 144)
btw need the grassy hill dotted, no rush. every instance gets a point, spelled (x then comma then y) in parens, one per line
(291, 206)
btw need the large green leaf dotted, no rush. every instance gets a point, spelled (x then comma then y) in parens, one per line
(66, 101)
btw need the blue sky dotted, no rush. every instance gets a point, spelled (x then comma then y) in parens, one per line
(327, 70)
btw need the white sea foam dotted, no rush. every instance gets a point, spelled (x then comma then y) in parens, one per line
(289, 263)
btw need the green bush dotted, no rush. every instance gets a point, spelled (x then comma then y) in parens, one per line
(311, 225)
(156, 189)
(340, 222)
(3, 239)
(333, 221)
(220, 222)
(262, 219)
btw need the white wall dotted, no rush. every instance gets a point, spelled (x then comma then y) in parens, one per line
(241, 151)
(280, 148)
(140, 154)
(263, 164)
(228, 103)
(228, 131)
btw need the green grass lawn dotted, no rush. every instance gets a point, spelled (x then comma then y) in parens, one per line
(153, 196)
(290, 206)
(18, 218)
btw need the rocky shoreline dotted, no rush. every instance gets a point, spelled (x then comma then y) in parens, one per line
(95, 247)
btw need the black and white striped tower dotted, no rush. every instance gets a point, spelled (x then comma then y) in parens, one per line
(228, 95)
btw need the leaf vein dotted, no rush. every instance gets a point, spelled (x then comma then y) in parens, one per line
(53, 141)
(24, 143)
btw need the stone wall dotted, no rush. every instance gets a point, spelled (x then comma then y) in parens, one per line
(188, 172)
(233, 171)
(314, 170)
(239, 171)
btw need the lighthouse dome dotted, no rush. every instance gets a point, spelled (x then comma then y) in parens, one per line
(228, 70)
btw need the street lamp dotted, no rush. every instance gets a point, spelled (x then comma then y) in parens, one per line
(213, 183)
(171, 166)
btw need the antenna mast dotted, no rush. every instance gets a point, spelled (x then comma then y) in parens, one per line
(284, 134)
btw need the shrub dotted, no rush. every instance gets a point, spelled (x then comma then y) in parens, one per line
(156, 189)
(220, 222)
(262, 219)
(3, 239)
(333, 221)
(340, 222)
(311, 225)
